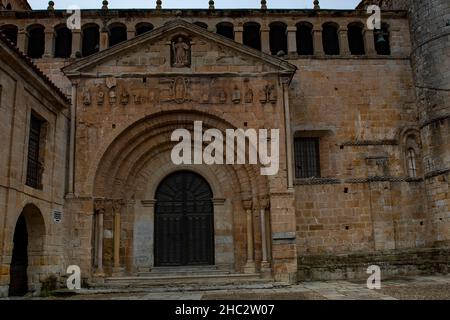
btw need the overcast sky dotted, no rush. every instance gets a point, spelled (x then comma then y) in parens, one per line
(293, 4)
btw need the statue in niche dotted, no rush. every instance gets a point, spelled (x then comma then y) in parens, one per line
(100, 97)
(125, 97)
(137, 99)
(181, 54)
(236, 98)
(272, 94)
(249, 96)
(86, 97)
(222, 96)
(205, 97)
(112, 96)
(263, 95)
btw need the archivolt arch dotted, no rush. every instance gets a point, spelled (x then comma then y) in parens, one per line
(131, 152)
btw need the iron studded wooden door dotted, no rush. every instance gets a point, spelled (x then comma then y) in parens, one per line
(184, 221)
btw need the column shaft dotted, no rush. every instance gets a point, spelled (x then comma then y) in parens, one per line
(292, 40)
(318, 44)
(76, 43)
(49, 44)
(265, 40)
(100, 241)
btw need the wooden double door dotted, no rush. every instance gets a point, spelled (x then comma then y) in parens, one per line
(184, 221)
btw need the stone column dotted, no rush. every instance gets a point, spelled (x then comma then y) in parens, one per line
(287, 119)
(22, 40)
(117, 206)
(318, 44)
(143, 235)
(265, 40)
(291, 33)
(250, 266)
(73, 116)
(49, 43)
(265, 263)
(131, 33)
(343, 42)
(76, 43)
(369, 42)
(239, 34)
(104, 38)
(100, 210)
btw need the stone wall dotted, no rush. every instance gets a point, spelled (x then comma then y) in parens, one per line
(430, 27)
(22, 92)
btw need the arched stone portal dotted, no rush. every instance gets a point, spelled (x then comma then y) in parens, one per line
(125, 190)
(28, 247)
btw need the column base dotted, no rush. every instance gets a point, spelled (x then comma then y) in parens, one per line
(266, 270)
(250, 267)
(117, 271)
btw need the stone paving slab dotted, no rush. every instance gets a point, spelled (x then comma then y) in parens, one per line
(412, 288)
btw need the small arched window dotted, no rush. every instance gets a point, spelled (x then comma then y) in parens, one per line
(117, 34)
(142, 28)
(252, 35)
(305, 45)
(412, 164)
(382, 41)
(8, 6)
(63, 42)
(330, 39)
(278, 38)
(91, 39)
(356, 39)
(10, 31)
(36, 41)
(225, 29)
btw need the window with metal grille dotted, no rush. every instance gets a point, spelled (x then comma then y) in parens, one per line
(34, 169)
(412, 168)
(307, 161)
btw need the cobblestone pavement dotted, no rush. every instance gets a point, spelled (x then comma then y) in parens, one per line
(411, 288)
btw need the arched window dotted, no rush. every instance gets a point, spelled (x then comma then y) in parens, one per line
(10, 31)
(305, 45)
(36, 41)
(252, 35)
(91, 39)
(117, 34)
(201, 25)
(412, 165)
(356, 39)
(63, 42)
(278, 38)
(330, 39)
(142, 28)
(226, 29)
(382, 41)
(8, 6)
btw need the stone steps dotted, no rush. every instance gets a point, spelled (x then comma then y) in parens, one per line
(183, 280)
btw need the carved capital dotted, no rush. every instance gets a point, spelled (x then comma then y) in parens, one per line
(117, 205)
(99, 205)
(247, 204)
(264, 202)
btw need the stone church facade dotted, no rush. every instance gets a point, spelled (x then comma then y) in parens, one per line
(363, 125)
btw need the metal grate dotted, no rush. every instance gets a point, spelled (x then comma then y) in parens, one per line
(34, 169)
(307, 161)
